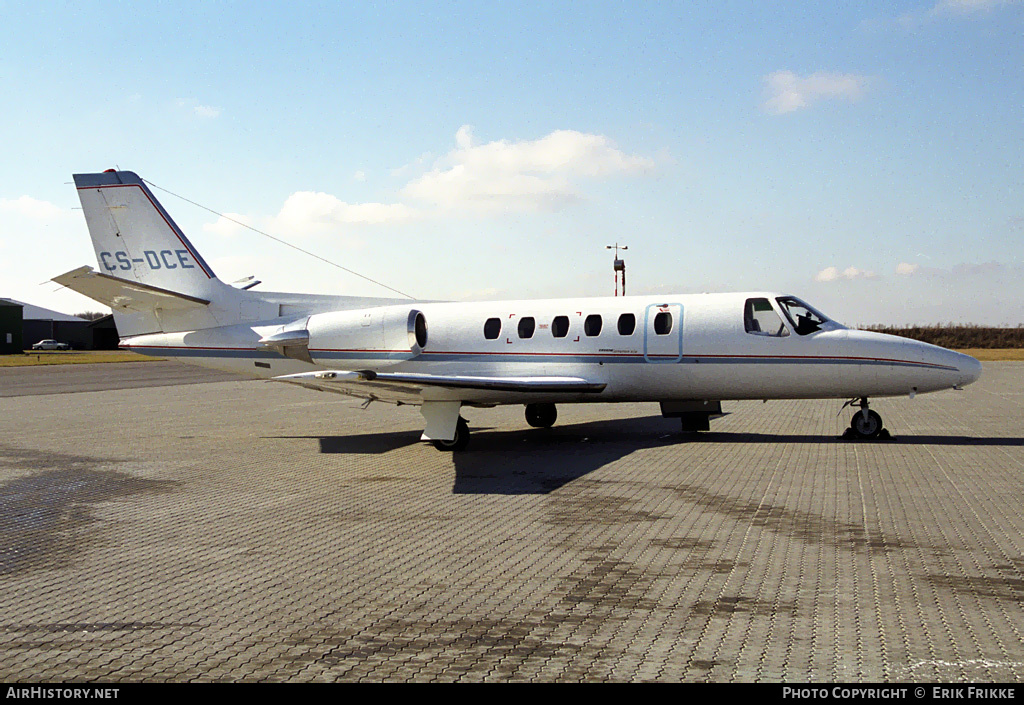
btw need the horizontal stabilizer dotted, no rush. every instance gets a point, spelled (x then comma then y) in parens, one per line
(324, 379)
(121, 294)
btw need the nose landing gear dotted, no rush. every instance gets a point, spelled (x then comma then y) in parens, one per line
(866, 425)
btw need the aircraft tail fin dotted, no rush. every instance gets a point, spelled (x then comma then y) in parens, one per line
(135, 238)
(155, 280)
(149, 273)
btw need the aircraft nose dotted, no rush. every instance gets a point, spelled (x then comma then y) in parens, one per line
(952, 369)
(969, 367)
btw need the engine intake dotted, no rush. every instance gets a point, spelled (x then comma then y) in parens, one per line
(417, 331)
(394, 333)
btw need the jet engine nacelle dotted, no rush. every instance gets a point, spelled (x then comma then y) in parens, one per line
(398, 332)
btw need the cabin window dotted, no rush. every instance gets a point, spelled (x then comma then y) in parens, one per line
(526, 327)
(492, 328)
(759, 318)
(627, 324)
(560, 326)
(804, 318)
(592, 325)
(663, 323)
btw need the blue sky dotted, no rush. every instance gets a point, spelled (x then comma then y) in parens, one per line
(868, 157)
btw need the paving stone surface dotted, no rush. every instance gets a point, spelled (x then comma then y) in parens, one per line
(253, 531)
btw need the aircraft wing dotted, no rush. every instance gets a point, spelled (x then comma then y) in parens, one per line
(122, 294)
(405, 386)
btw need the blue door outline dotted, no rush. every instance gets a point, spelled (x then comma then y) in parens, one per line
(675, 335)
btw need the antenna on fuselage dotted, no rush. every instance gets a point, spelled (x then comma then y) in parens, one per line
(619, 265)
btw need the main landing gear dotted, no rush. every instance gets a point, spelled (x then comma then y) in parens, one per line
(537, 415)
(446, 429)
(541, 415)
(866, 425)
(460, 441)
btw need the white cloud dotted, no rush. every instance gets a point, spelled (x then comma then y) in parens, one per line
(414, 167)
(228, 225)
(785, 92)
(206, 111)
(464, 137)
(526, 175)
(830, 274)
(464, 187)
(854, 273)
(961, 271)
(33, 208)
(966, 7)
(312, 212)
(983, 293)
(561, 151)
(945, 9)
(499, 176)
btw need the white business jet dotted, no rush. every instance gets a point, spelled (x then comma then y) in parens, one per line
(688, 352)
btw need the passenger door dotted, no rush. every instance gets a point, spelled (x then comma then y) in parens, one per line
(663, 333)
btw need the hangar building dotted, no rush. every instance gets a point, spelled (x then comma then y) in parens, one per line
(39, 323)
(10, 327)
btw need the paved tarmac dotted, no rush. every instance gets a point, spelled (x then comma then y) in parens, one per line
(255, 531)
(92, 377)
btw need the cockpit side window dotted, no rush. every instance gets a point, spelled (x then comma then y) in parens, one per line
(759, 318)
(804, 318)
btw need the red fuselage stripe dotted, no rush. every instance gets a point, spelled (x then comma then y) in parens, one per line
(838, 358)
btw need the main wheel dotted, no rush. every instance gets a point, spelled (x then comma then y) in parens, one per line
(866, 428)
(541, 415)
(460, 441)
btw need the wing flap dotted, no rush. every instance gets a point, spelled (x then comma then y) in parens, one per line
(411, 381)
(122, 294)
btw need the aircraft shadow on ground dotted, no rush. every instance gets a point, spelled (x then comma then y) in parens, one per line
(539, 461)
(715, 437)
(527, 460)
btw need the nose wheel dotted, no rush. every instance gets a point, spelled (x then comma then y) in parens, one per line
(866, 424)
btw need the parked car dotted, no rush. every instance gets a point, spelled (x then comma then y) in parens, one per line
(50, 345)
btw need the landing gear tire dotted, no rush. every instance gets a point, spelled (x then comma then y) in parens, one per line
(869, 427)
(541, 415)
(460, 441)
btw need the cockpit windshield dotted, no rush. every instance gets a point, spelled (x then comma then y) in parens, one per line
(803, 318)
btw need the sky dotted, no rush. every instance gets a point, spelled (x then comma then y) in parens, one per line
(865, 156)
